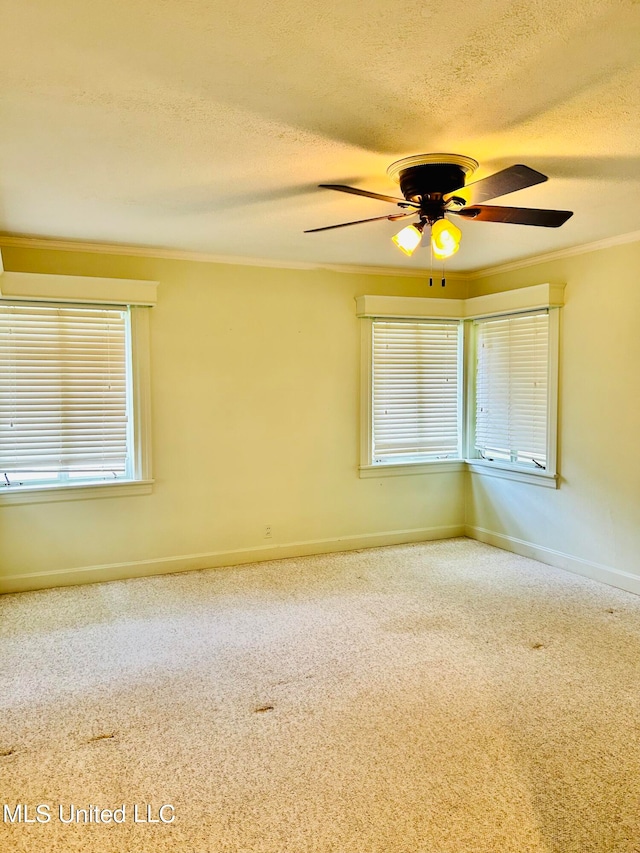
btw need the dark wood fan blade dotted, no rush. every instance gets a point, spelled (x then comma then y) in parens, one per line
(507, 181)
(392, 218)
(355, 191)
(515, 215)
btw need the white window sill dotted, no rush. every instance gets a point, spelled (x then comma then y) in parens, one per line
(475, 466)
(432, 466)
(507, 472)
(76, 492)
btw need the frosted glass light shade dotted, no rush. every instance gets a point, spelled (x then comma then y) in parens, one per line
(445, 239)
(408, 239)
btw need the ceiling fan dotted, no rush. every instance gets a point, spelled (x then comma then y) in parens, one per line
(433, 186)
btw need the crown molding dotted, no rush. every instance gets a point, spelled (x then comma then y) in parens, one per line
(570, 252)
(24, 242)
(20, 242)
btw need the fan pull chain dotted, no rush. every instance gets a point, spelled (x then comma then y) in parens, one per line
(431, 266)
(443, 279)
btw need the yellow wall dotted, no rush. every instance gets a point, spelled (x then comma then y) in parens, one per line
(255, 389)
(255, 421)
(591, 524)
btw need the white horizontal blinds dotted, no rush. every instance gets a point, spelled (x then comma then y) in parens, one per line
(415, 390)
(511, 388)
(63, 393)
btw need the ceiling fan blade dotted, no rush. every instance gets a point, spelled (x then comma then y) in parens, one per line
(355, 191)
(515, 215)
(392, 218)
(506, 181)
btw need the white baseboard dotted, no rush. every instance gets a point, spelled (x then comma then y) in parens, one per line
(586, 568)
(218, 559)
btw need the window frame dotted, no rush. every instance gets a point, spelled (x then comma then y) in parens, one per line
(412, 309)
(503, 468)
(80, 291)
(501, 304)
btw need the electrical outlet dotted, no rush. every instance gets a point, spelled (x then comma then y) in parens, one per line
(267, 532)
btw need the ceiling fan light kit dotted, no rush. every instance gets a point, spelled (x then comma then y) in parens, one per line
(434, 186)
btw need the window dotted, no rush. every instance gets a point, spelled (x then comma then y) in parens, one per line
(415, 391)
(515, 390)
(455, 384)
(512, 388)
(73, 399)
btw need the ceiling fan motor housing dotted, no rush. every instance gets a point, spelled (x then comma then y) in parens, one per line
(426, 178)
(432, 181)
(431, 174)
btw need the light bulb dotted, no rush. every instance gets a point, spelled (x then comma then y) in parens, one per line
(445, 239)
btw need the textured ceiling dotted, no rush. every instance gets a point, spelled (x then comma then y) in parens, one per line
(206, 126)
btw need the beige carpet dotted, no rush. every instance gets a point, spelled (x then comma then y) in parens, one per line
(445, 697)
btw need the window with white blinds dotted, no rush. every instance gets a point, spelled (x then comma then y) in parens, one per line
(511, 390)
(64, 395)
(415, 384)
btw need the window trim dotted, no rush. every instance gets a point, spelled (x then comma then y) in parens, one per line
(505, 303)
(140, 369)
(397, 469)
(511, 472)
(366, 395)
(82, 289)
(48, 493)
(88, 291)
